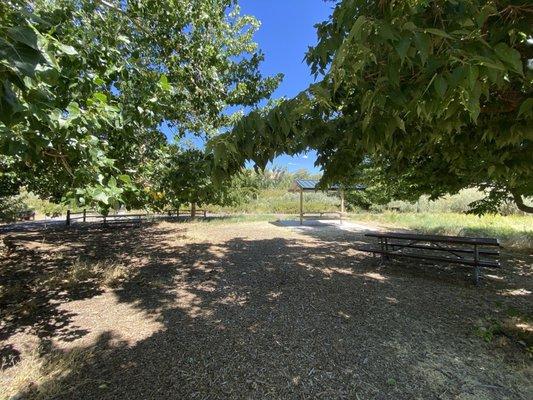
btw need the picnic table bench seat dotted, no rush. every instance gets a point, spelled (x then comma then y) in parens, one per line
(469, 251)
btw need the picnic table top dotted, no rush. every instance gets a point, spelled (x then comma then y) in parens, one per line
(435, 238)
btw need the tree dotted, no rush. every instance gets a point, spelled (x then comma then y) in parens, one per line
(86, 86)
(437, 93)
(184, 177)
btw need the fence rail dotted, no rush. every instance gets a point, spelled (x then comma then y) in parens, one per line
(84, 216)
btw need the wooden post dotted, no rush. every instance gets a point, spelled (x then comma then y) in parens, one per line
(84, 215)
(193, 210)
(343, 210)
(68, 218)
(205, 213)
(178, 213)
(301, 206)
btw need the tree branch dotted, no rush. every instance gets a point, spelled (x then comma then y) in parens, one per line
(519, 201)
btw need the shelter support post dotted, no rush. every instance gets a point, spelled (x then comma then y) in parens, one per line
(301, 207)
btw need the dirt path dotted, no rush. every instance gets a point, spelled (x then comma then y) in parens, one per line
(253, 310)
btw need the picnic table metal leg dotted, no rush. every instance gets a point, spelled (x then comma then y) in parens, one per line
(476, 266)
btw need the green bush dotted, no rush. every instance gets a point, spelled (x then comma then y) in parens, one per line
(11, 207)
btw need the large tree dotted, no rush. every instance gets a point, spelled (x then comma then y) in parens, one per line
(438, 94)
(87, 85)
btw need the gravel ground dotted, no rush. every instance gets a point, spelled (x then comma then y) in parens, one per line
(261, 311)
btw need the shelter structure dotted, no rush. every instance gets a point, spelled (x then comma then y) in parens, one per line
(311, 185)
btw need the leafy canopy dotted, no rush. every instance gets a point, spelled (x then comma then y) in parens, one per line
(437, 94)
(86, 85)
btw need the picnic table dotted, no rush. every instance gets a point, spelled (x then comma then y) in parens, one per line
(26, 215)
(470, 251)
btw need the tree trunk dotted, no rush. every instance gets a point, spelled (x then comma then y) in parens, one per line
(193, 210)
(519, 201)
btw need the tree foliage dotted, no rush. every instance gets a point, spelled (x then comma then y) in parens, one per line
(437, 93)
(86, 86)
(183, 177)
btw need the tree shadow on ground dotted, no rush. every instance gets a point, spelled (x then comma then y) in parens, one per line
(272, 317)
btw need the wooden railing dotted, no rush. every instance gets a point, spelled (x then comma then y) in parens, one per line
(84, 216)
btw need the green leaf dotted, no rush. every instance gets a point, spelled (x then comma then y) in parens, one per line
(163, 83)
(22, 58)
(125, 179)
(98, 81)
(124, 39)
(102, 198)
(423, 45)
(73, 110)
(357, 27)
(101, 97)
(509, 56)
(403, 46)
(440, 85)
(24, 35)
(526, 107)
(400, 123)
(68, 50)
(473, 74)
(438, 32)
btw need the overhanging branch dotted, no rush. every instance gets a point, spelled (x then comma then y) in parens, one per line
(519, 201)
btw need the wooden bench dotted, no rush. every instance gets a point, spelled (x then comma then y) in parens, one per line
(449, 249)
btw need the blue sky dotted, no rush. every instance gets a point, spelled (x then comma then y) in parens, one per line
(287, 30)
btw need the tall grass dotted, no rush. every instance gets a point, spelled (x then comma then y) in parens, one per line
(280, 201)
(514, 231)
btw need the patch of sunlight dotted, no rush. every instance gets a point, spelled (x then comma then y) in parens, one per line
(234, 299)
(106, 313)
(191, 304)
(274, 295)
(525, 326)
(375, 275)
(515, 292)
(344, 315)
(341, 271)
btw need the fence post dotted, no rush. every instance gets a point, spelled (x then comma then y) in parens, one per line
(84, 215)
(68, 218)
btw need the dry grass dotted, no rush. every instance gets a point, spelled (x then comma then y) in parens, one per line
(106, 274)
(40, 372)
(513, 231)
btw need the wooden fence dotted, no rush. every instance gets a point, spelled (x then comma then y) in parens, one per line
(85, 216)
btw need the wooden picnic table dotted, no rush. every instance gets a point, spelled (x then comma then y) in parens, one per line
(438, 248)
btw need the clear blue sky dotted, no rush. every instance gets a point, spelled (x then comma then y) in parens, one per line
(287, 30)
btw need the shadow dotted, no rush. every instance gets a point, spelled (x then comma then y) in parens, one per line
(248, 311)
